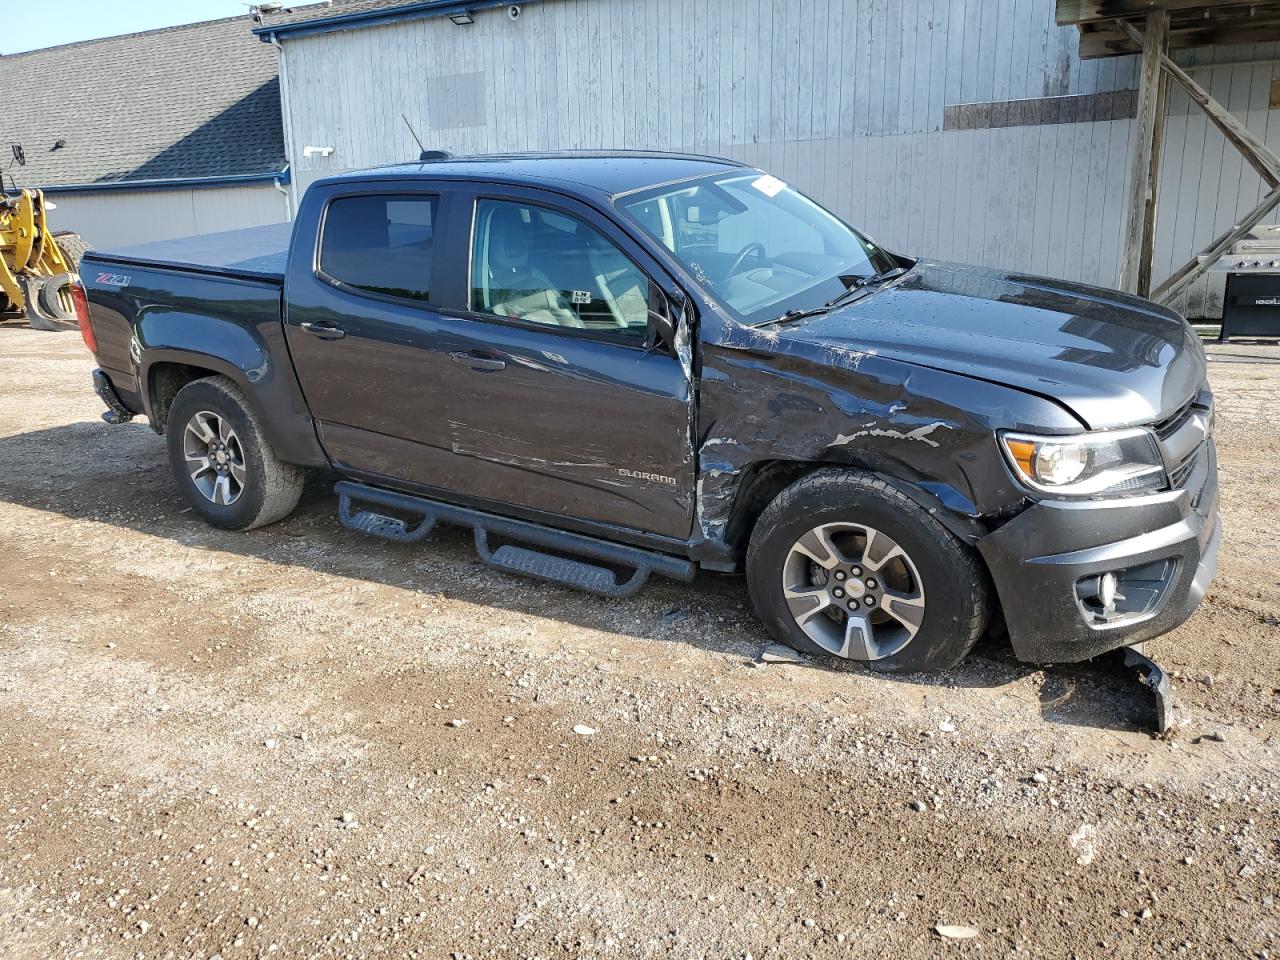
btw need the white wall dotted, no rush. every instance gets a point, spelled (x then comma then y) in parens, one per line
(844, 98)
(114, 218)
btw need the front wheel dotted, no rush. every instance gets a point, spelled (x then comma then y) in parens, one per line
(222, 462)
(842, 563)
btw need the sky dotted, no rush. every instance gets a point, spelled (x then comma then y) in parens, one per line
(32, 24)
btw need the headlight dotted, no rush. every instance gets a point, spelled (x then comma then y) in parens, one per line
(1119, 461)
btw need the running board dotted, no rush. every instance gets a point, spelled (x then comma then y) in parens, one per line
(521, 560)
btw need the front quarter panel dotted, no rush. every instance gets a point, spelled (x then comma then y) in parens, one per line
(765, 398)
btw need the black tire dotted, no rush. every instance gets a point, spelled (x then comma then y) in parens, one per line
(73, 247)
(33, 290)
(956, 588)
(271, 487)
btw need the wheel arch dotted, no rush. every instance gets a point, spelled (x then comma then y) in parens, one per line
(762, 481)
(286, 424)
(165, 372)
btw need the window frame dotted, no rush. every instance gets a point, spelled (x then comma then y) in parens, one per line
(431, 302)
(640, 344)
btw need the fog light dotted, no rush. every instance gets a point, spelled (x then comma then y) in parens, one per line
(1130, 593)
(1107, 586)
(1099, 593)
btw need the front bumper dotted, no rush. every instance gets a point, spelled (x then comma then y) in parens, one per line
(1038, 588)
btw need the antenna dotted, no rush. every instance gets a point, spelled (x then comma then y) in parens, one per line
(414, 132)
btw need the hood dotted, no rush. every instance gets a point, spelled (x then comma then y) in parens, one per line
(1113, 359)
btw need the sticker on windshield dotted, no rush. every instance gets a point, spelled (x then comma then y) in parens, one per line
(770, 186)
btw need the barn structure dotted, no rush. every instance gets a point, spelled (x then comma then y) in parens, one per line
(150, 135)
(976, 130)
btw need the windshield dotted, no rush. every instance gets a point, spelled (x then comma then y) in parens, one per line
(759, 246)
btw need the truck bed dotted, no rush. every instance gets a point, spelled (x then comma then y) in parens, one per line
(255, 253)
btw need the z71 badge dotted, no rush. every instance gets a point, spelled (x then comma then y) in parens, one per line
(114, 279)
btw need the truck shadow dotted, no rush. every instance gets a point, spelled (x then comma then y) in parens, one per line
(120, 475)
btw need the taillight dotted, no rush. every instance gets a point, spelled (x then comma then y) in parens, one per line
(81, 301)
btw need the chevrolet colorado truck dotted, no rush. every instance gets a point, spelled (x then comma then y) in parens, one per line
(615, 365)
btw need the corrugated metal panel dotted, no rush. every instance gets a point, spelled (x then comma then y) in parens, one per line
(845, 98)
(122, 217)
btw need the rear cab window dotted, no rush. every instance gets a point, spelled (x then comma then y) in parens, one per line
(380, 244)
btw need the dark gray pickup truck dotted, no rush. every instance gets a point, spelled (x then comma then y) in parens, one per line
(613, 365)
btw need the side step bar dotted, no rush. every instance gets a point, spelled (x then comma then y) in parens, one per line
(523, 561)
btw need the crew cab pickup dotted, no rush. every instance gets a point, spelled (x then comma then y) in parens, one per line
(615, 365)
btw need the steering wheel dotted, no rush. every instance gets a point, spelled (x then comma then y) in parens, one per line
(752, 247)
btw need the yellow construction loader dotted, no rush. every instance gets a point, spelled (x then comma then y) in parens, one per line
(38, 270)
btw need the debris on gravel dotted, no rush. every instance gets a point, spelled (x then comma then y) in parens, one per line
(781, 653)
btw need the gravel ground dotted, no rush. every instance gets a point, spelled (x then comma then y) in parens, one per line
(299, 742)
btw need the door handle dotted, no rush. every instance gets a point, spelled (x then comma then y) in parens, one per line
(323, 330)
(477, 362)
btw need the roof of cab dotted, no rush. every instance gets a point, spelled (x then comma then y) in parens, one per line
(608, 172)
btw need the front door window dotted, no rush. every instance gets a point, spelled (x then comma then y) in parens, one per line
(539, 266)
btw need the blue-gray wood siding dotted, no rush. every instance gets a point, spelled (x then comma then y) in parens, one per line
(844, 98)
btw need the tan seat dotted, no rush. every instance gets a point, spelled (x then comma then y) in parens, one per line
(517, 289)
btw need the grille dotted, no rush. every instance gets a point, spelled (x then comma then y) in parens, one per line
(1169, 425)
(1178, 475)
(1183, 436)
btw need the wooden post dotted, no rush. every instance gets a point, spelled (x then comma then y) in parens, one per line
(1140, 214)
(1153, 179)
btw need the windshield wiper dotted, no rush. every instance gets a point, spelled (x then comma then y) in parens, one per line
(855, 288)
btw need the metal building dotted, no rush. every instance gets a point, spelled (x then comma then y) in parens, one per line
(964, 129)
(148, 136)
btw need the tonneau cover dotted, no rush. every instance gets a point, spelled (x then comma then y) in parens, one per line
(256, 252)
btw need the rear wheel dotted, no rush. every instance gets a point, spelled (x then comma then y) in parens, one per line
(222, 462)
(842, 563)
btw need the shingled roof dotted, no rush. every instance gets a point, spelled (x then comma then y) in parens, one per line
(304, 12)
(191, 102)
(300, 19)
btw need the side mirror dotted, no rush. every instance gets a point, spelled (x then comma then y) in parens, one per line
(662, 329)
(662, 323)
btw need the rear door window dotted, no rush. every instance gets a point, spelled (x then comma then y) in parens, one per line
(380, 244)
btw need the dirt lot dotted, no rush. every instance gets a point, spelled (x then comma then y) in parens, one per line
(302, 743)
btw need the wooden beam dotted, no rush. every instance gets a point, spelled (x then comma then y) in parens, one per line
(1110, 41)
(1139, 228)
(1259, 155)
(1200, 264)
(1084, 11)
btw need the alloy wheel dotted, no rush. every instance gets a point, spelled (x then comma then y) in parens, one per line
(853, 591)
(215, 458)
